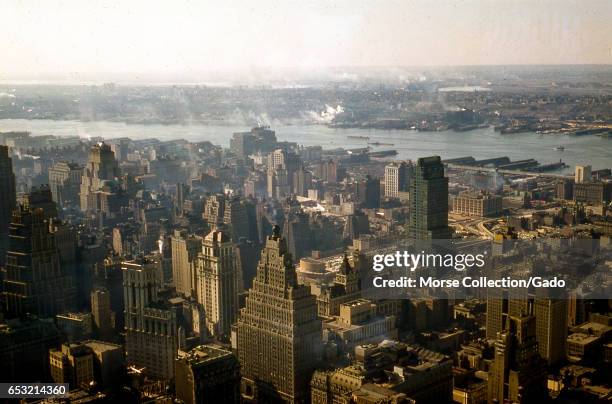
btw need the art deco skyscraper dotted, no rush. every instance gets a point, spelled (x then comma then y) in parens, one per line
(518, 373)
(35, 281)
(218, 283)
(428, 200)
(278, 332)
(214, 210)
(101, 166)
(7, 199)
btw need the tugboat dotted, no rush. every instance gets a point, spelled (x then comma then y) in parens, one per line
(559, 148)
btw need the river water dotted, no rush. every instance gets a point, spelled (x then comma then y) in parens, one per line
(480, 143)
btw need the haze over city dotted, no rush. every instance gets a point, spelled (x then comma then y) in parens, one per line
(189, 41)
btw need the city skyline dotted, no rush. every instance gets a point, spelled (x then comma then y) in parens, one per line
(347, 202)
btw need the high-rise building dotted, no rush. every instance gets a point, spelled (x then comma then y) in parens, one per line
(8, 199)
(278, 332)
(35, 282)
(328, 171)
(260, 139)
(428, 200)
(582, 174)
(565, 189)
(185, 249)
(396, 179)
(551, 319)
(109, 362)
(72, 364)
(65, 182)
(356, 225)
(214, 210)
(302, 181)
(208, 374)
(346, 287)
(371, 193)
(276, 159)
(278, 183)
(24, 349)
(504, 303)
(101, 166)
(297, 234)
(218, 282)
(551, 328)
(182, 193)
(151, 324)
(40, 198)
(518, 373)
(236, 218)
(75, 326)
(101, 312)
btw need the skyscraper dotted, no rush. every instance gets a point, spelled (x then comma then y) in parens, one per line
(371, 193)
(101, 166)
(396, 179)
(302, 181)
(582, 174)
(235, 217)
(185, 250)
(551, 328)
(35, 281)
(7, 199)
(428, 200)
(101, 312)
(214, 209)
(278, 332)
(518, 373)
(65, 181)
(151, 325)
(72, 364)
(218, 283)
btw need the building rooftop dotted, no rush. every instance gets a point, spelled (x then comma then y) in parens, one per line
(205, 353)
(101, 346)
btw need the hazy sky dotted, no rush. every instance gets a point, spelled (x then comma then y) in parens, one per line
(39, 38)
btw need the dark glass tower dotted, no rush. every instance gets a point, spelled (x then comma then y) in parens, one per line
(428, 200)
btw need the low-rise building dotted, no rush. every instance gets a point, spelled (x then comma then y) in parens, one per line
(478, 204)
